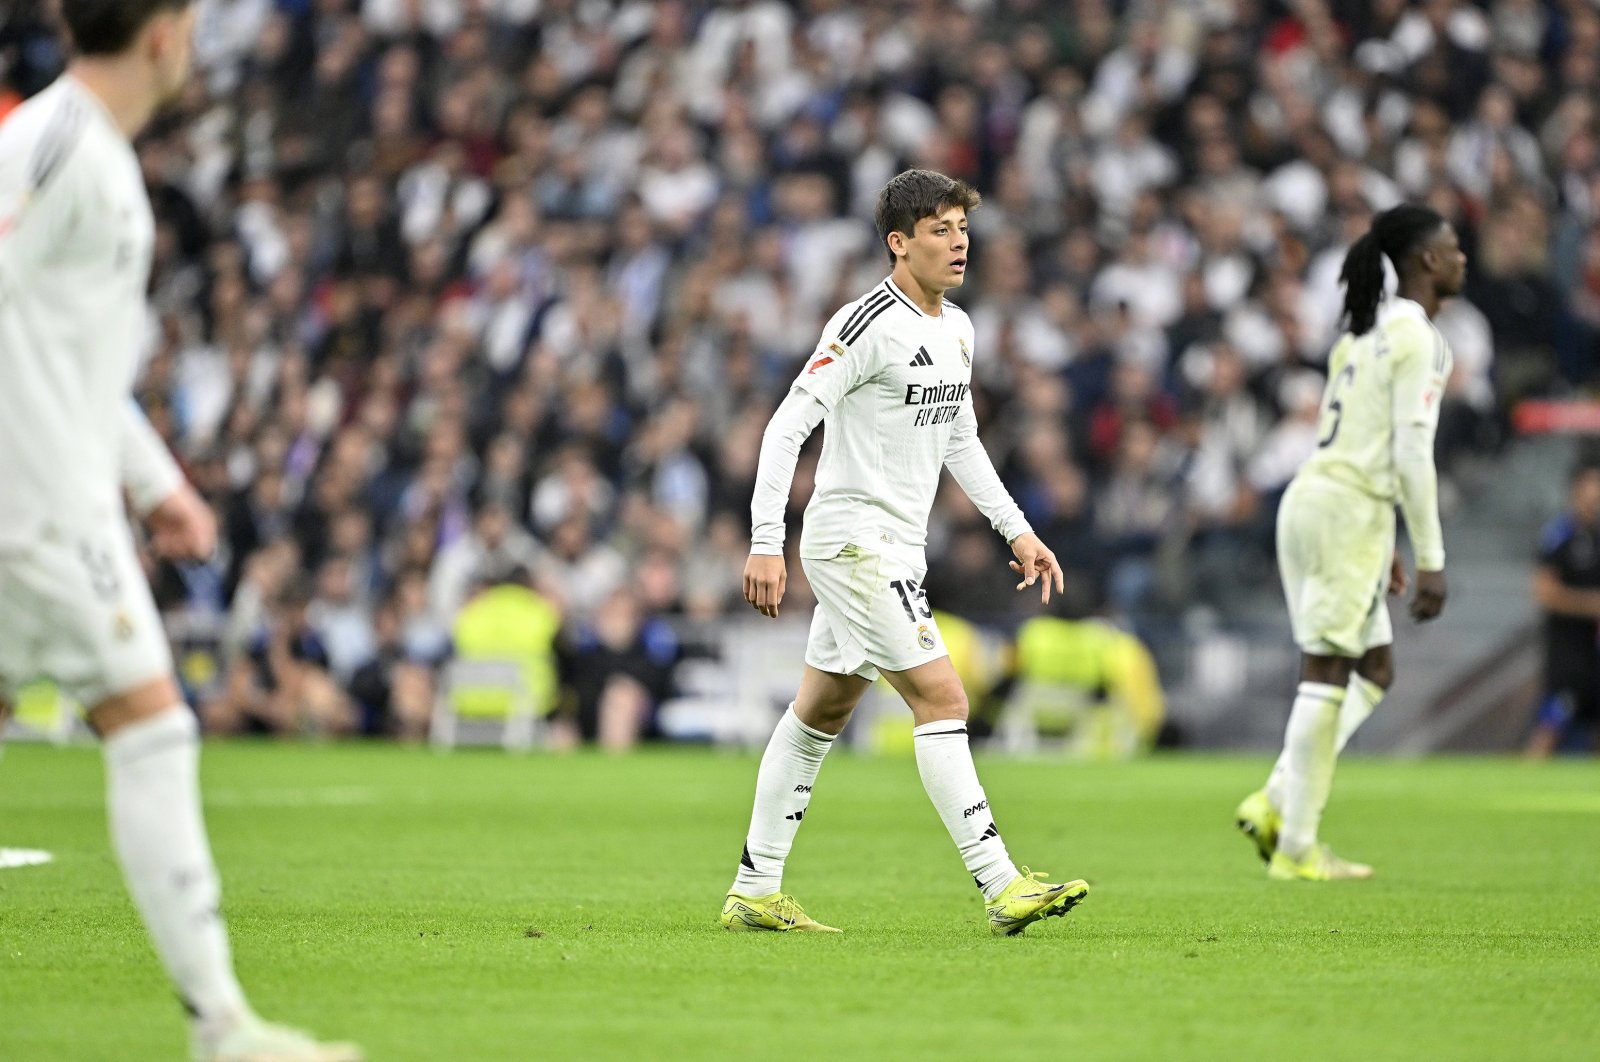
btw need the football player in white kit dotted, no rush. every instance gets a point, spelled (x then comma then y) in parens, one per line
(75, 243)
(1336, 526)
(891, 382)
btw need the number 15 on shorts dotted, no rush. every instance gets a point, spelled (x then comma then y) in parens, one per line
(913, 599)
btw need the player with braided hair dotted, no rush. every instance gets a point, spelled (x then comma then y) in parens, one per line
(1336, 526)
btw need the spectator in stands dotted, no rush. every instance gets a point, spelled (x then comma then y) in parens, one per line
(495, 547)
(393, 688)
(283, 685)
(1566, 585)
(1135, 515)
(619, 666)
(506, 622)
(1081, 678)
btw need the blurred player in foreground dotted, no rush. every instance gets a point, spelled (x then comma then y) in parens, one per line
(1336, 526)
(891, 380)
(75, 243)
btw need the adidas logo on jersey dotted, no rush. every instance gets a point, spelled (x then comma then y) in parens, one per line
(922, 359)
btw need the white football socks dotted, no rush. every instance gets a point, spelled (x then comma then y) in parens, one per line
(1309, 754)
(153, 804)
(944, 760)
(1361, 699)
(783, 791)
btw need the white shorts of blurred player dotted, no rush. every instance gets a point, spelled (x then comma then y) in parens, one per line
(871, 613)
(1335, 546)
(75, 607)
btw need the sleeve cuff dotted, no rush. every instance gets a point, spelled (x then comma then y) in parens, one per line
(155, 487)
(1017, 530)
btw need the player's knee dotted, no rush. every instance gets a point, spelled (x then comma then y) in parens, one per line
(1331, 670)
(828, 715)
(144, 701)
(1377, 667)
(950, 702)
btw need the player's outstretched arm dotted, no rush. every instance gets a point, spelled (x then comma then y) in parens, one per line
(765, 575)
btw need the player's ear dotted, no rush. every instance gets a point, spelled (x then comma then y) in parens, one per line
(153, 38)
(897, 243)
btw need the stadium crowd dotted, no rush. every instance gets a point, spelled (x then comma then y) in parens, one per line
(459, 293)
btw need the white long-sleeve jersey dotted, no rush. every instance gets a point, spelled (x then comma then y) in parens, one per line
(892, 387)
(1379, 415)
(76, 233)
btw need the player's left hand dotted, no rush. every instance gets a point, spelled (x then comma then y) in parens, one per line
(183, 527)
(1397, 577)
(1035, 561)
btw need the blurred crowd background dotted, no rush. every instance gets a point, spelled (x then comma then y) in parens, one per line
(485, 303)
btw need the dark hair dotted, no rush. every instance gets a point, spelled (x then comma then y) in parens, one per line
(917, 194)
(1398, 233)
(107, 27)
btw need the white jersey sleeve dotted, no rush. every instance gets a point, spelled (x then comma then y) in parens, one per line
(148, 471)
(791, 425)
(1421, 368)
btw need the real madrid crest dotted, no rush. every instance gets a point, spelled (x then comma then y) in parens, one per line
(924, 636)
(966, 355)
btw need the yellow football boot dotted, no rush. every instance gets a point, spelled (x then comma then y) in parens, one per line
(778, 913)
(1319, 864)
(1028, 899)
(1260, 822)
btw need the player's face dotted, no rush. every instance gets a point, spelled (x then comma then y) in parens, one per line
(936, 254)
(172, 50)
(1448, 261)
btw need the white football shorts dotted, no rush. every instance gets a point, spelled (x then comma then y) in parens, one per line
(871, 613)
(75, 608)
(1335, 546)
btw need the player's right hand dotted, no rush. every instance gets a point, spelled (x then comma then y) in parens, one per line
(765, 579)
(183, 527)
(1428, 601)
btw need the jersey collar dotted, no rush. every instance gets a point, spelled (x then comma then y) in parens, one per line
(94, 103)
(1397, 304)
(910, 303)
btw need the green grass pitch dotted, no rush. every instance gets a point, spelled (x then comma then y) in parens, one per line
(482, 907)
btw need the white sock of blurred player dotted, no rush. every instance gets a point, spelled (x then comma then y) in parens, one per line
(1360, 701)
(153, 802)
(783, 791)
(1309, 755)
(944, 760)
